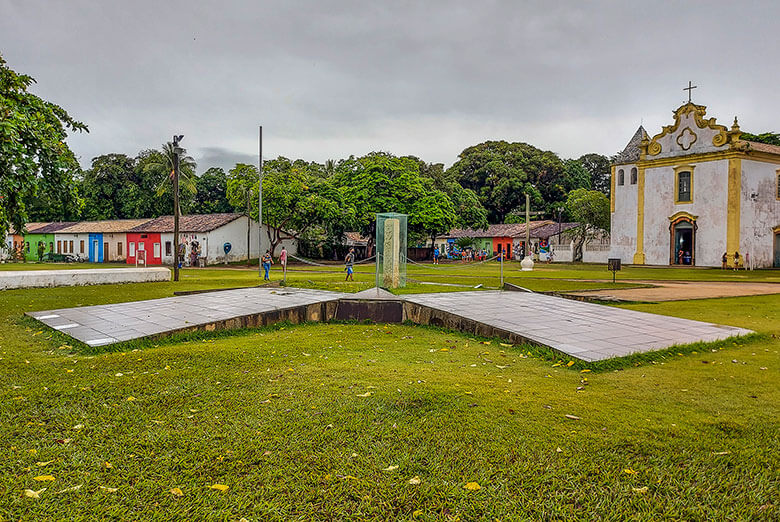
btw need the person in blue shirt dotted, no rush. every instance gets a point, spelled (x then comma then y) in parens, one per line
(436, 256)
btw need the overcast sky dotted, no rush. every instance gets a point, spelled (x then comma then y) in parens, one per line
(330, 79)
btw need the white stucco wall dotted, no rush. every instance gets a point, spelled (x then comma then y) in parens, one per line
(703, 143)
(76, 238)
(710, 196)
(623, 228)
(759, 211)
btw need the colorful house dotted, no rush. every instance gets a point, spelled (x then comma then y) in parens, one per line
(22, 248)
(43, 235)
(504, 237)
(215, 238)
(97, 241)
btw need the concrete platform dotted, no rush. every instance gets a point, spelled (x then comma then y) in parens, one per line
(586, 331)
(12, 279)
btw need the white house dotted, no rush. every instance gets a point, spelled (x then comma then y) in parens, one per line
(693, 192)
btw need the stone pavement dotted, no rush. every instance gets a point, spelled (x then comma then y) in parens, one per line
(112, 323)
(587, 331)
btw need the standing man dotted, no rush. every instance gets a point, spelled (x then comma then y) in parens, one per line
(283, 261)
(348, 262)
(436, 256)
(267, 262)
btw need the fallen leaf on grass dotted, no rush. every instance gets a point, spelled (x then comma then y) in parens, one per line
(78, 426)
(556, 365)
(572, 417)
(44, 478)
(417, 513)
(131, 398)
(367, 394)
(721, 452)
(219, 487)
(390, 468)
(630, 471)
(108, 465)
(74, 488)
(177, 492)
(42, 464)
(643, 489)
(414, 481)
(472, 486)
(506, 345)
(584, 371)
(33, 494)
(570, 363)
(109, 490)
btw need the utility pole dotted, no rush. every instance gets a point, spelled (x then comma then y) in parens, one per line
(527, 263)
(176, 151)
(259, 202)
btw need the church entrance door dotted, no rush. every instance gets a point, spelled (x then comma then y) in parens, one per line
(682, 248)
(777, 249)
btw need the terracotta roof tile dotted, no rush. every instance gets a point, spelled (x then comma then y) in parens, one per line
(497, 230)
(50, 228)
(113, 226)
(763, 147)
(191, 223)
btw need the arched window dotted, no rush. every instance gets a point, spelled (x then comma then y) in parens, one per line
(621, 177)
(633, 176)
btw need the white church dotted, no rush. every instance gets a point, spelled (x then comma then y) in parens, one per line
(694, 192)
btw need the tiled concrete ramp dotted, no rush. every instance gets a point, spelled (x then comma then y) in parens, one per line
(108, 324)
(587, 331)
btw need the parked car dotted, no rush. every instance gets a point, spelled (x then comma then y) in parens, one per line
(60, 258)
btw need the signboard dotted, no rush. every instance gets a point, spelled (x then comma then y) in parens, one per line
(613, 265)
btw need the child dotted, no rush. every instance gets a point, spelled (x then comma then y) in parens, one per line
(348, 261)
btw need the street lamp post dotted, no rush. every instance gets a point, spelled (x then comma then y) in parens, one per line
(259, 202)
(177, 150)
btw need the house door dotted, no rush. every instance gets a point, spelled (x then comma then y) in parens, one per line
(777, 250)
(95, 255)
(105, 253)
(683, 243)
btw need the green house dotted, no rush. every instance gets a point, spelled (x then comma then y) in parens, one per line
(43, 234)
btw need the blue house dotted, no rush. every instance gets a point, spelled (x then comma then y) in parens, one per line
(95, 247)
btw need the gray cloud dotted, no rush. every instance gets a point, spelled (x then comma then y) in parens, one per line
(329, 79)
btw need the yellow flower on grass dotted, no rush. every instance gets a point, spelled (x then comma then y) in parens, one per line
(177, 492)
(44, 478)
(219, 487)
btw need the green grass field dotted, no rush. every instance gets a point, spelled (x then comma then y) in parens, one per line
(341, 421)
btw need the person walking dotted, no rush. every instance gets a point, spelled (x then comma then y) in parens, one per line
(267, 261)
(436, 256)
(348, 262)
(736, 261)
(724, 261)
(283, 261)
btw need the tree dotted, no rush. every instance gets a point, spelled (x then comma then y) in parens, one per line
(211, 196)
(770, 138)
(35, 161)
(575, 176)
(433, 214)
(590, 209)
(600, 170)
(297, 200)
(105, 187)
(501, 173)
(241, 180)
(163, 164)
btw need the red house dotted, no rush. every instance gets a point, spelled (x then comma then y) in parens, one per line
(148, 242)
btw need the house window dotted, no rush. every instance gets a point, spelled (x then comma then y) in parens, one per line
(131, 249)
(683, 184)
(156, 250)
(633, 176)
(119, 248)
(81, 246)
(777, 185)
(59, 247)
(168, 248)
(621, 177)
(51, 246)
(70, 246)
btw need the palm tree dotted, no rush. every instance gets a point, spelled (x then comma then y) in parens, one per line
(164, 167)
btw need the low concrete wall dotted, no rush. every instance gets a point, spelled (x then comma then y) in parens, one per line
(13, 279)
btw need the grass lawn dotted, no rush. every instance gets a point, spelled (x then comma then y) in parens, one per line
(340, 421)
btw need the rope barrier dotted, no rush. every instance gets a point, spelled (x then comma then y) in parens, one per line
(461, 266)
(314, 263)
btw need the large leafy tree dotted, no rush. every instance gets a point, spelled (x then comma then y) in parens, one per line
(142, 198)
(240, 182)
(106, 185)
(297, 201)
(600, 170)
(501, 173)
(589, 208)
(211, 196)
(35, 161)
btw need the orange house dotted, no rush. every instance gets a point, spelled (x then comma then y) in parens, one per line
(503, 243)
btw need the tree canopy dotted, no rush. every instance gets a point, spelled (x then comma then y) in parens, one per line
(35, 161)
(589, 208)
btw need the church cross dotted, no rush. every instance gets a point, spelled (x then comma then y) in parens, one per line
(689, 89)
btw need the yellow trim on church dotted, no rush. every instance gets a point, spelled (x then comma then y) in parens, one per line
(683, 214)
(733, 206)
(639, 256)
(612, 190)
(677, 171)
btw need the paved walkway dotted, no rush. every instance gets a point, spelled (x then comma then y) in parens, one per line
(112, 323)
(583, 330)
(682, 290)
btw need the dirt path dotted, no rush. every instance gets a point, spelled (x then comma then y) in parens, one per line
(682, 290)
